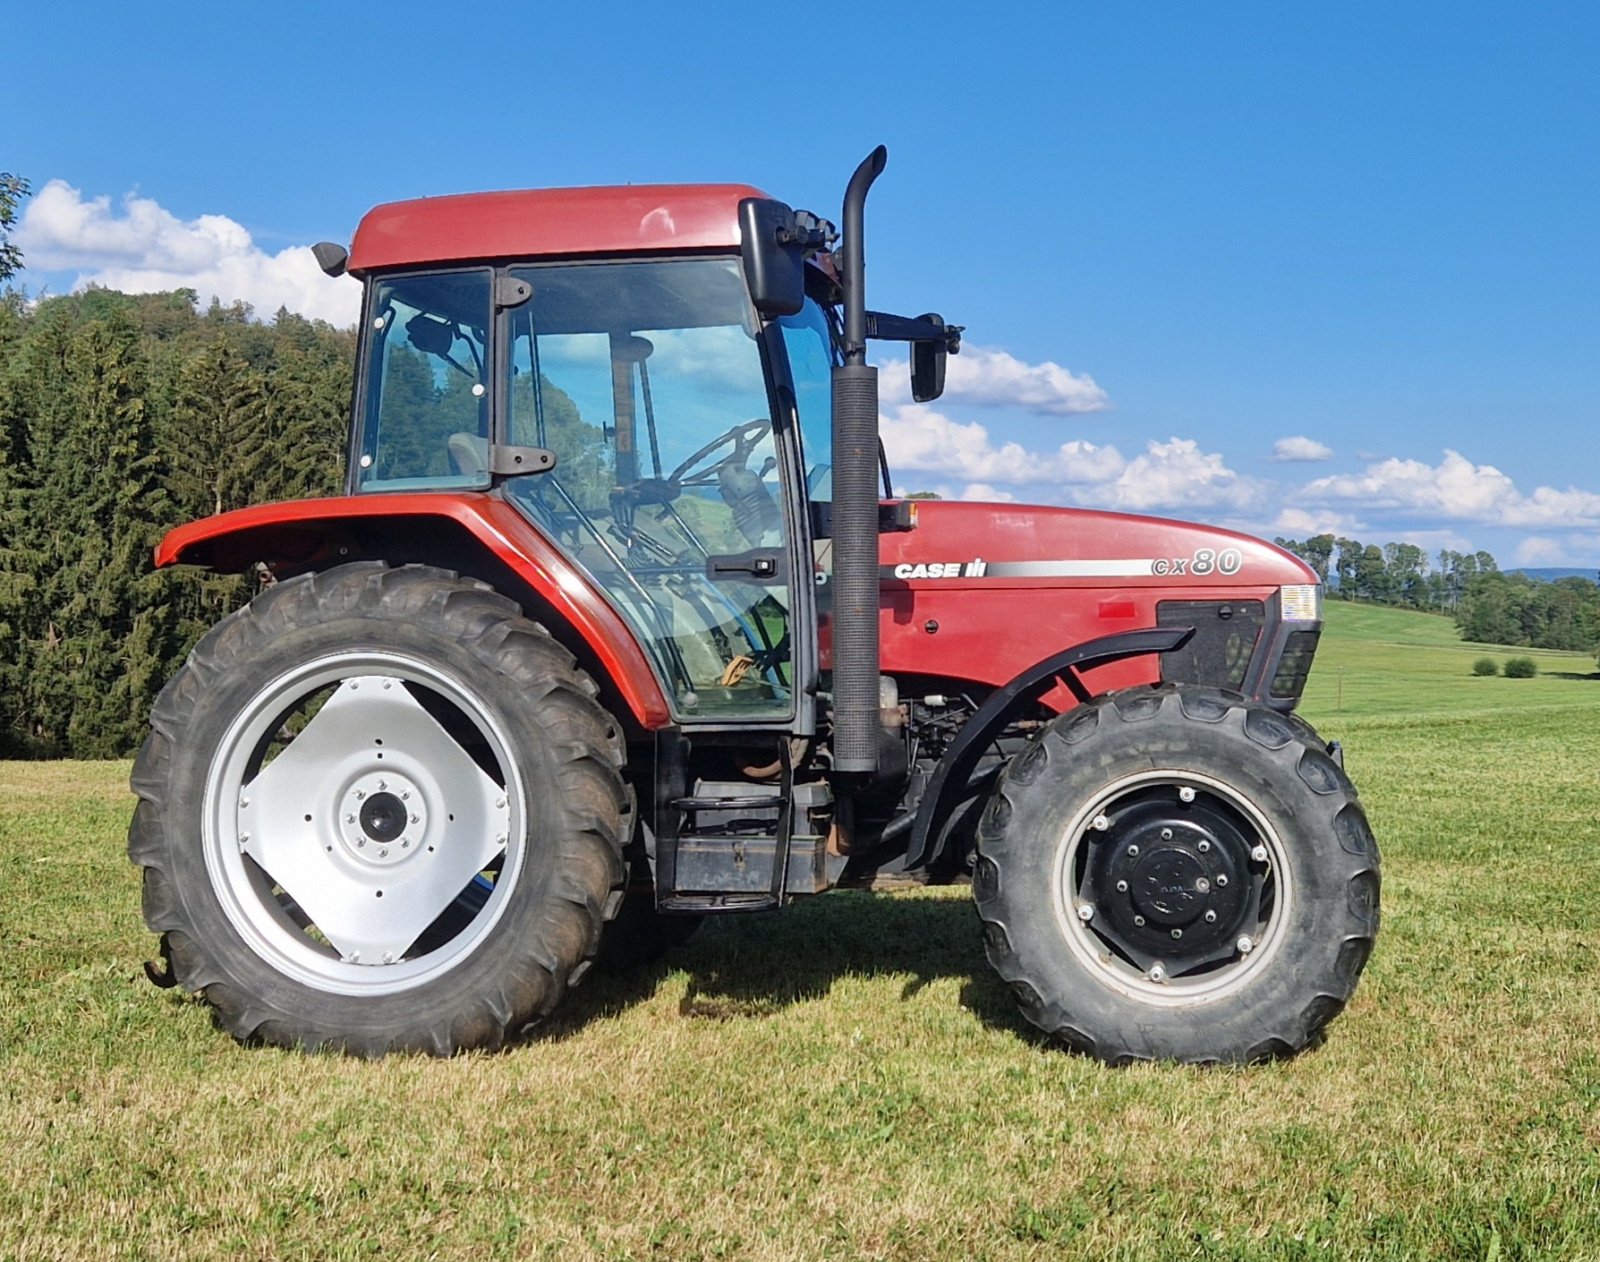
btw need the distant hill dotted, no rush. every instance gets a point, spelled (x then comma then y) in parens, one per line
(1549, 574)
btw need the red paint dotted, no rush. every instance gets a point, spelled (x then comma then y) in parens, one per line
(302, 532)
(550, 222)
(991, 629)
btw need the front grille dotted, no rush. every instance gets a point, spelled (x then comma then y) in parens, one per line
(1219, 652)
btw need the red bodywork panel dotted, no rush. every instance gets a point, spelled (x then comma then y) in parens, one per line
(550, 222)
(1110, 569)
(303, 534)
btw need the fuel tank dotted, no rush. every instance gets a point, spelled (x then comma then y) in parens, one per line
(982, 591)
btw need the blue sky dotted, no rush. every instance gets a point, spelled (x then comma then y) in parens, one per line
(1287, 267)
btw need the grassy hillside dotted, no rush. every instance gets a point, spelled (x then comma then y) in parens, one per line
(847, 1080)
(1377, 661)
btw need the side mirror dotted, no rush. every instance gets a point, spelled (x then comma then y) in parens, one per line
(773, 244)
(774, 266)
(927, 365)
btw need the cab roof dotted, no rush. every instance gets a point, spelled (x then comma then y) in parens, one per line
(557, 221)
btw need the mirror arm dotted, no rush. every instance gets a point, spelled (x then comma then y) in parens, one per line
(882, 327)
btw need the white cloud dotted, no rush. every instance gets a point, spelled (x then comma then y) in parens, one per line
(1458, 489)
(1177, 474)
(143, 248)
(919, 438)
(994, 378)
(1321, 521)
(1300, 448)
(989, 494)
(1537, 550)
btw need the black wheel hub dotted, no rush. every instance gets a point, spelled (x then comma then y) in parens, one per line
(1171, 882)
(383, 817)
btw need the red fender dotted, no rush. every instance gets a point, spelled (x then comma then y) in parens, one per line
(301, 535)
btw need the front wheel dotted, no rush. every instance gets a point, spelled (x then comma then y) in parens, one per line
(379, 810)
(1176, 873)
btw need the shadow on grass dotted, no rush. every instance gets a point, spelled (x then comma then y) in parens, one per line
(1567, 674)
(746, 967)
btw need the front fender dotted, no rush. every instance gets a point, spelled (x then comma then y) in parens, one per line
(469, 532)
(948, 785)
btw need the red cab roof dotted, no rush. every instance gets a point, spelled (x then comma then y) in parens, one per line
(553, 221)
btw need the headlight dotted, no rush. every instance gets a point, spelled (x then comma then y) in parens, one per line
(1301, 602)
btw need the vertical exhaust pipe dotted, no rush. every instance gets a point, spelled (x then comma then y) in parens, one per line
(855, 504)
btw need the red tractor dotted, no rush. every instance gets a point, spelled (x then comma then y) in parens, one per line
(619, 625)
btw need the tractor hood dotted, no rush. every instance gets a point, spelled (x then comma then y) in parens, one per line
(982, 592)
(1010, 545)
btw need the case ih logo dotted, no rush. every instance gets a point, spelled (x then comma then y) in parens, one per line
(941, 569)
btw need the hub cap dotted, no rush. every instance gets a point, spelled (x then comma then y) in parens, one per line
(363, 824)
(1160, 878)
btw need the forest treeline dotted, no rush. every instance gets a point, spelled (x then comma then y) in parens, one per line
(1488, 605)
(121, 416)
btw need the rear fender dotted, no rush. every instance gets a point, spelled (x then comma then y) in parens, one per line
(473, 534)
(947, 788)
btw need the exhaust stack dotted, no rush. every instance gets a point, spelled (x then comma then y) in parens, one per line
(855, 504)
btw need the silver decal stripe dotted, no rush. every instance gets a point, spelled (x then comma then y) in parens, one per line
(1131, 567)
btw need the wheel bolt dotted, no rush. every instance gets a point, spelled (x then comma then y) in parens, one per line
(360, 794)
(1245, 946)
(243, 802)
(1203, 845)
(1122, 887)
(388, 956)
(1100, 823)
(1186, 794)
(1166, 834)
(1157, 973)
(1139, 921)
(349, 819)
(1211, 918)
(1259, 854)
(500, 803)
(361, 841)
(1222, 878)
(416, 819)
(243, 837)
(1177, 933)
(383, 784)
(1085, 912)
(404, 842)
(1133, 852)
(383, 854)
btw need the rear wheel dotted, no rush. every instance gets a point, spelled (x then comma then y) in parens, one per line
(1176, 873)
(379, 810)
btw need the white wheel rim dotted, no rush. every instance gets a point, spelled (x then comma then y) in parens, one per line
(1110, 965)
(371, 823)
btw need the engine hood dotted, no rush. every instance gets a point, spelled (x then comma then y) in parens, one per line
(1011, 545)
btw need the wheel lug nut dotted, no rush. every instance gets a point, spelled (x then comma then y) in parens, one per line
(1177, 933)
(404, 842)
(1139, 921)
(1186, 794)
(349, 819)
(1166, 834)
(500, 803)
(1133, 852)
(360, 794)
(1245, 946)
(416, 819)
(1203, 845)
(405, 796)
(388, 956)
(383, 854)
(1085, 912)
(1259, 854)
(1100, 823)
(1122, 887)
(1222, 878)
(383, 784)
(1211, 918)
(361, 841)
(1157, 973)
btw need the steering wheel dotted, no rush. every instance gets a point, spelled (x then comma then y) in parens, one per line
(743, 438)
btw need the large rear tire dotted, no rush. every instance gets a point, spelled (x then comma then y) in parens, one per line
(1175, 873)
(380, 810)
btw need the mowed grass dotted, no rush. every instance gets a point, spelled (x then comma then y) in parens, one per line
(845, 1080)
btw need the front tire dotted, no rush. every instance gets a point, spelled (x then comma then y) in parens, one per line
(1176, 873)
(380, 810)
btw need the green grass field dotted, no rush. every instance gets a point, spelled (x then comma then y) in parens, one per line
(846, 1080)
